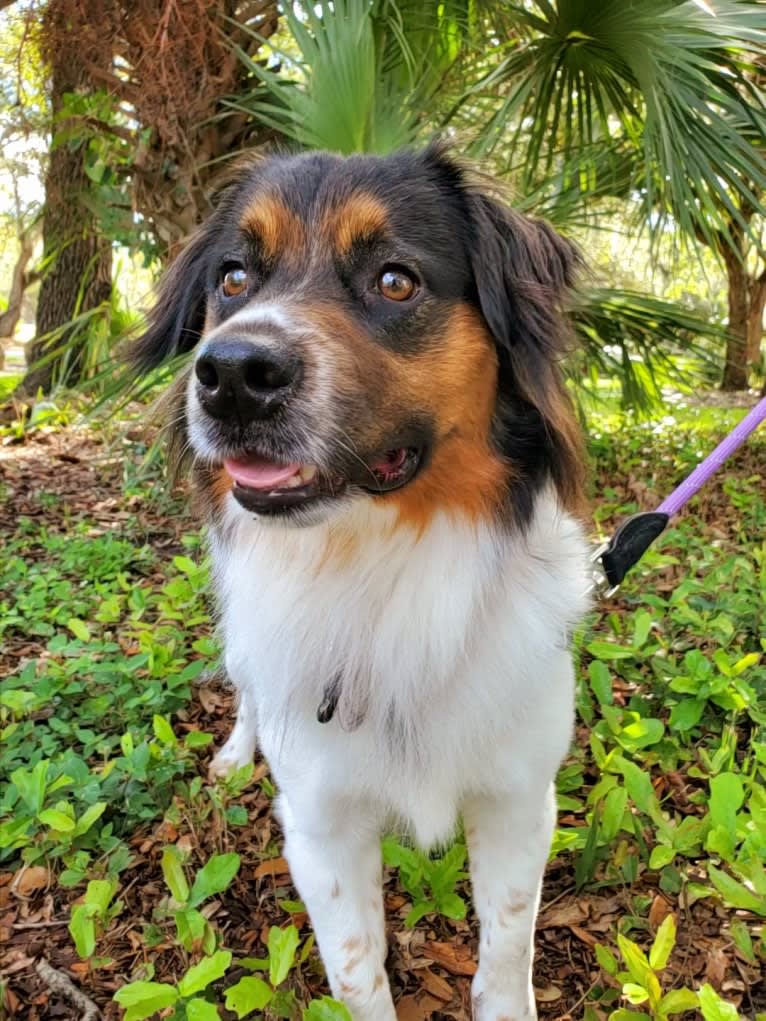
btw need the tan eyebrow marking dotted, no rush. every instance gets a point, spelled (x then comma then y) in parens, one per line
(276, 226)
(360, 217)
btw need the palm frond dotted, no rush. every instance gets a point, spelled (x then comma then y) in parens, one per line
(675, 79)
(641, 341)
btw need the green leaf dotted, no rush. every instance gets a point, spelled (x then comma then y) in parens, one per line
(82, 929)
(198, 739)
(606, 959)
(608, 650)
(173, 872)
(714, 1008)
(214, 877)
(635, 960)
(736, 893)
(142, 999)
(677, 1001)
(726, 797)
(452, 905)
(99, 893)
(79, 629)
(282, 944)
(56, 820)
(634, 993)
(31, 784)
(661, 856)
(686, 714)
(600, 682)
(163, 731)
(89, 817)
(201, 1010)
(326, 1009)
(201, 975)
(639, 787)
(247, 995)
(741, 936)
(192, 927)
(642, 625)
(663, 944)
(613, 813)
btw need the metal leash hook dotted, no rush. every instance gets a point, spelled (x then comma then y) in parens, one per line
(612, 560)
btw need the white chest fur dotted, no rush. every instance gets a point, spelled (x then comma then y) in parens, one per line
(450, 647)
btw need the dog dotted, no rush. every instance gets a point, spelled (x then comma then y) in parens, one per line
(391, 472)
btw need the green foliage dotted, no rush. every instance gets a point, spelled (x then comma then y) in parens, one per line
(430, 882)
(118, 659)
(673, 83)
(360, 74)
(642, 982)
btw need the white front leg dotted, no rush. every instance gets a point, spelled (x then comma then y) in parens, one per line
(508, 842)
(336, 867)
(239, 749)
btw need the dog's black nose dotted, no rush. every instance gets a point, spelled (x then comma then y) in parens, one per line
(242, 379)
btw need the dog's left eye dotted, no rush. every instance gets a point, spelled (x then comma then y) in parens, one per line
(234, 282)
(396, 284)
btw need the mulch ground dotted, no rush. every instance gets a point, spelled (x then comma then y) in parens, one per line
(430, 966)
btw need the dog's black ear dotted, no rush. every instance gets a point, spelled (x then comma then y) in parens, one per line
(523, 273)
(176, 320)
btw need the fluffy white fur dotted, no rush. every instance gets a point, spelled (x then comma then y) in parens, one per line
(457, 699)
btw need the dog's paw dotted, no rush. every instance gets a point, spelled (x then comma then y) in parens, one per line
(228, 760)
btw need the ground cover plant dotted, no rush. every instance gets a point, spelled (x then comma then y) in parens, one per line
(157, 894)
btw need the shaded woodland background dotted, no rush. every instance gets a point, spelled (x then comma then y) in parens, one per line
(130, 886)
(638, 128)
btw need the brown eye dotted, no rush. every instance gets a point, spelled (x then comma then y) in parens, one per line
(396, 285)
(234, 282)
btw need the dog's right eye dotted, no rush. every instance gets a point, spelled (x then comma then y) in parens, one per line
(234, 282)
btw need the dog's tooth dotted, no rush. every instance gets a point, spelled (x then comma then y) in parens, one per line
(308, 472)
(292, 482)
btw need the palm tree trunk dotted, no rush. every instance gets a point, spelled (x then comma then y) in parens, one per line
(79, 260)
(735, 368)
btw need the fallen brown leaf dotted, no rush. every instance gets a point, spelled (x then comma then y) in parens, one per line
(435, 985)
(457, 960)
(273, 867)
(419, 1007)
(30, 879)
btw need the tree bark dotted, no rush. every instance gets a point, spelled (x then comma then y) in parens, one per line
(735, 367)
(78, 259)
(755, 319)
(19, 282)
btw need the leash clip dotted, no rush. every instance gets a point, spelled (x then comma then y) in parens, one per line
(599, 583)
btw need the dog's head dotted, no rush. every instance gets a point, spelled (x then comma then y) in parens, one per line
(370, 328)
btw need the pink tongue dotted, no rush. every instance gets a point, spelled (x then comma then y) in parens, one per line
(257, 473)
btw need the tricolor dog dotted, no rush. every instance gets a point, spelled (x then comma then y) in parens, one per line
(391, 474)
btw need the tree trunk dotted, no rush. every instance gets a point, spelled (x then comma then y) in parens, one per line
(19, 284)
(735, 369)
(755, 319)
(78, 259)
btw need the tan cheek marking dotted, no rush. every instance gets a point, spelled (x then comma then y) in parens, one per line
(458, 384)
(216, 486)
(379, 980)
(278, 229)
(360, 217)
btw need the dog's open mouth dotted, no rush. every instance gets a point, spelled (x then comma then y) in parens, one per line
(270, 487)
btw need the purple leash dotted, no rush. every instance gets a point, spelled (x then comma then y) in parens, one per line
(634, 536)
